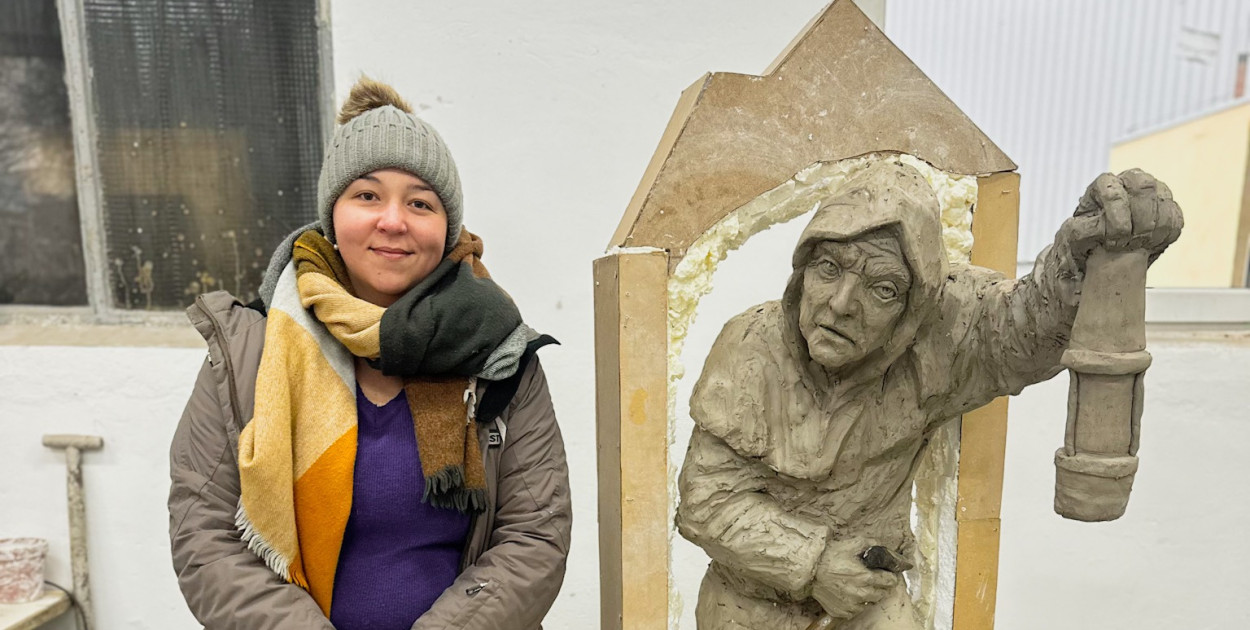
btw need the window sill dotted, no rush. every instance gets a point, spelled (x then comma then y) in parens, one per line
(68, 326)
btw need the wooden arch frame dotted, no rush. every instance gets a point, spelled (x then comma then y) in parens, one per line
(840, 90)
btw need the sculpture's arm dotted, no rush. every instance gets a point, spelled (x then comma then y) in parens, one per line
(725, 511)
(1006, 334)
(1010, 334)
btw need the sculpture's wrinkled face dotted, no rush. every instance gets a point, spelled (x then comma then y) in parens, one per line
(854, 293)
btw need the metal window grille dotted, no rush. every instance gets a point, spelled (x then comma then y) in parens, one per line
(152, 150)
(208, 140)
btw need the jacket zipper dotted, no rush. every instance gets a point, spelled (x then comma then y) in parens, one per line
(478, 519)
(225, 360)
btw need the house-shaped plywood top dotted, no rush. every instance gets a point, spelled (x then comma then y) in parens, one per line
(840, 90)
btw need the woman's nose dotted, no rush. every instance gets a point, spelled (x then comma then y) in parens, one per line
(392, 218)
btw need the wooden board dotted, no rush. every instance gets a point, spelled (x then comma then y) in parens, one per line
(840, 90)
(976, 574)
(983, 435)
(631, 362)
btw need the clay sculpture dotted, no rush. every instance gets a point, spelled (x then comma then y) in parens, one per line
(812, 411)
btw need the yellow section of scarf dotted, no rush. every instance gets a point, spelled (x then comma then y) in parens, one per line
(296, 458)
(323, 282)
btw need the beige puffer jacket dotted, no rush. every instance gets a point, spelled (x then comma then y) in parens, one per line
(514, 560)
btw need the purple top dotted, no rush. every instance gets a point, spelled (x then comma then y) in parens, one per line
(398, 554)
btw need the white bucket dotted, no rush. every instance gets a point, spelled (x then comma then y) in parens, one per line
(21, 569)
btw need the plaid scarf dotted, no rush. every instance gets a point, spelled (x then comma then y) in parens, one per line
(297, 454)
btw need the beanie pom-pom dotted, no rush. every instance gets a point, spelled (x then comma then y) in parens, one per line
(369, 94)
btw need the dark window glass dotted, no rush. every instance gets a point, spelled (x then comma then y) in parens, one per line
(209, 140)
(40, 239)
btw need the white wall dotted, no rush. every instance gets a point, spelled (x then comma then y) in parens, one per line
(1177, 558)
(132, 397)
(552, 111)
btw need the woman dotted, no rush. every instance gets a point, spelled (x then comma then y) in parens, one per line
(374, 445)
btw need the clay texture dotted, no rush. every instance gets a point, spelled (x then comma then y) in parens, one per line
(693, 277)
(812, 412)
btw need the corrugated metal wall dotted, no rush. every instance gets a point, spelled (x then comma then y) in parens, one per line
(1054, 83)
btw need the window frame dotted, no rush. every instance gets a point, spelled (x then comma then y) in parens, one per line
(101, 309)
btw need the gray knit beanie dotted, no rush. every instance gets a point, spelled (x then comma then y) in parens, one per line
(378, 130)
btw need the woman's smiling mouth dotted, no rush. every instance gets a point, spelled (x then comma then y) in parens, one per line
(390, 253)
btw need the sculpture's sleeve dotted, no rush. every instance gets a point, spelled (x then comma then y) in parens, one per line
(725, 510)
(1000, 335)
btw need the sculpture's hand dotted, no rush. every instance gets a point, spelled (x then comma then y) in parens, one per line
(1131, 211)
(843, 585)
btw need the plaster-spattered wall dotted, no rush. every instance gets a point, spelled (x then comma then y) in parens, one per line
(553, 110)
(1203, 161)
(132, 397)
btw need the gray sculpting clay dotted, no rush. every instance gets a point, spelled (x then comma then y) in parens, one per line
(811, 412)
(1107, 359)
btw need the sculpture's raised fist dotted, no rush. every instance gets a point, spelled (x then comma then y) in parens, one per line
(1131, 211)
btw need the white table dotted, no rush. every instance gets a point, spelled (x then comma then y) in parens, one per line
(31, 615)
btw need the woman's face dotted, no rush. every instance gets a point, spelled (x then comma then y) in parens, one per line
(391, 229)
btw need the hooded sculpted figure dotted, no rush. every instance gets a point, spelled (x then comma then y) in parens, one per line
(812, 412)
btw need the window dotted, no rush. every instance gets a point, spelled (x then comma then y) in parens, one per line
(39, 227)
(205, 123)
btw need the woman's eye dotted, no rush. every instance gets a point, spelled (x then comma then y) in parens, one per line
(885, 291)
(417, 203)
(367, 196)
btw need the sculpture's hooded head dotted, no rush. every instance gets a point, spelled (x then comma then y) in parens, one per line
(868, 273)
